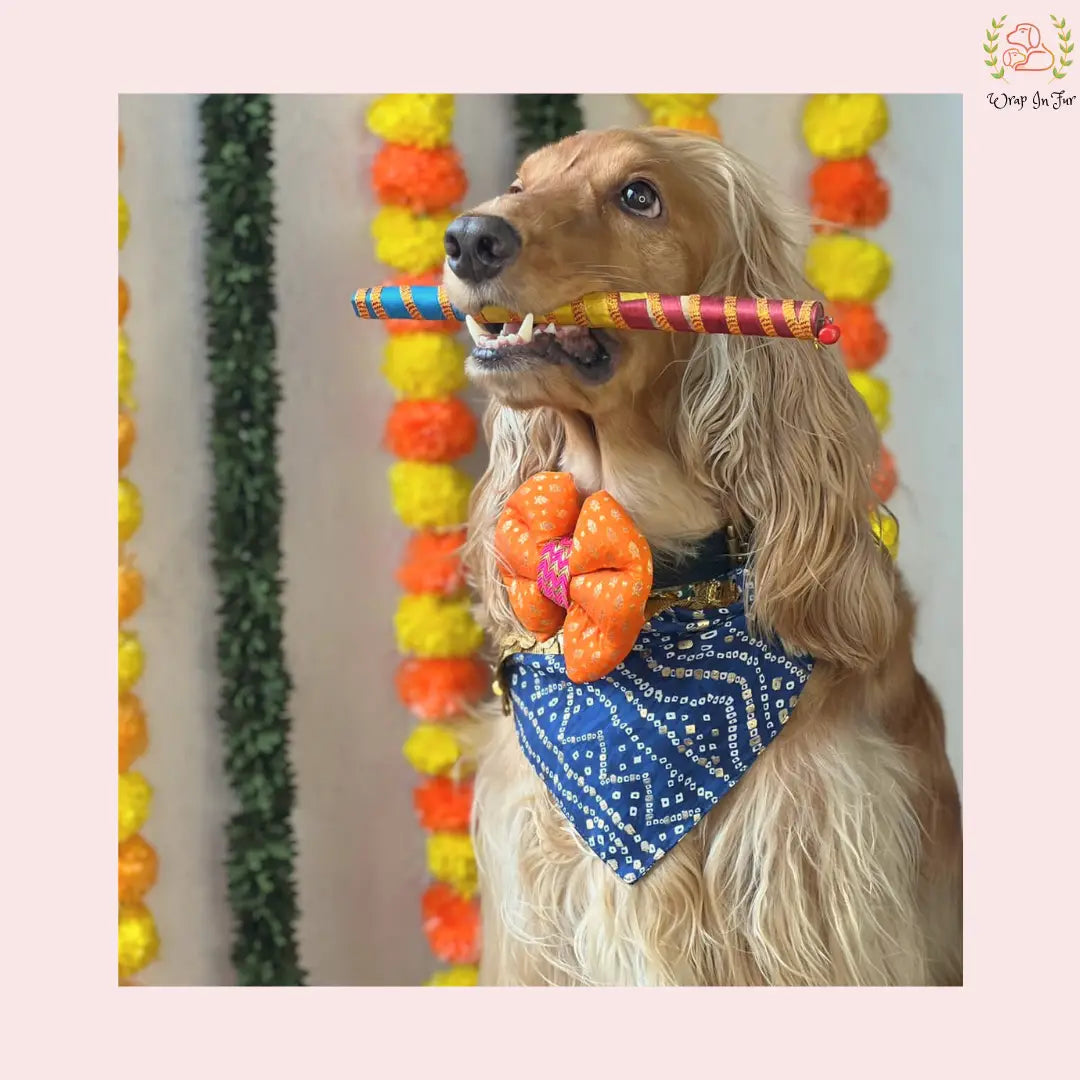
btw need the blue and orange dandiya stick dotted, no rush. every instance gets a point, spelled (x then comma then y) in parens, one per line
(745, 316)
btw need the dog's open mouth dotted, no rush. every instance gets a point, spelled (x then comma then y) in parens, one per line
(516, 345)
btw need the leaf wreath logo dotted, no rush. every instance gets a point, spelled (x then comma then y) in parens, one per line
(1065, 46)
(990, 47)
(1024, 50)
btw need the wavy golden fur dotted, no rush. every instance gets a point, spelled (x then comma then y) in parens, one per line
(836, 859)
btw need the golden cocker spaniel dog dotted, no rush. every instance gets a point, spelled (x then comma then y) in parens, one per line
(836, 857)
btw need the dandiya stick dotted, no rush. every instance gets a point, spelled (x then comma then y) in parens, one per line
(694, 313)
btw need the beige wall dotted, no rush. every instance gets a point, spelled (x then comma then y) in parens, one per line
(361, 856)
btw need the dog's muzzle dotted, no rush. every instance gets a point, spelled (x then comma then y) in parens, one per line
(480, 246)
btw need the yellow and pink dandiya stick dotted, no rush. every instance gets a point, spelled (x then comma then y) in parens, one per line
(754, 316)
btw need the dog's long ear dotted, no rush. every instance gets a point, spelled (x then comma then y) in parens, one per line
(520, 445)
(775, 428)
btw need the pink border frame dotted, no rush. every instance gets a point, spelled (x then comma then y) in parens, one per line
(1020, 258)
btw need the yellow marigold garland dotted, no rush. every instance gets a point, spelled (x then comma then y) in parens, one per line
(429, 495)
(125, 220)
(688, 112)
(133, 803)
(129, 513)
(130, 660)
(887, 531)
(875, 392)
(451, 859)
(847, 268)
(432, 749)
(458, 975)
(432, 626)
(127, 373)
(137, 940)
(412, 243)
(422, 363)
(423, 120)
(841, 126)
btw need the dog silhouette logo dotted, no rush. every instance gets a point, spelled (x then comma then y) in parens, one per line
(1027, 52)
(1027, 49)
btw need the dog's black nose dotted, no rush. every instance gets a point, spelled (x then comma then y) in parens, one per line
(479, 246)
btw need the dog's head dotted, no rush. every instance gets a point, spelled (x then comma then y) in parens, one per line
(1024, 34)
(689, 432)
(617, 210)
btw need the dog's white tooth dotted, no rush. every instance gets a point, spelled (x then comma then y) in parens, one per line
(475, 330)
(550, 328)
(526, 331)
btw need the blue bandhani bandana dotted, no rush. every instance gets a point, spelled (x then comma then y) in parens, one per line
(636, 759)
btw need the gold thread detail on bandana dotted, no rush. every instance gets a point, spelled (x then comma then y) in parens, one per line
(730, 316)
(410, 304)
(376, 302)
(764, 317)
(708, 594)
(581, 316)
(720, 592)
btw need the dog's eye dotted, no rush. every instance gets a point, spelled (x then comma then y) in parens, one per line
(515, 188)
(640, 198)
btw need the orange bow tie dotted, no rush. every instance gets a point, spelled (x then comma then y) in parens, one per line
(579, 565)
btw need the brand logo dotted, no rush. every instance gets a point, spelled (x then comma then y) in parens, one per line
(1027, 53)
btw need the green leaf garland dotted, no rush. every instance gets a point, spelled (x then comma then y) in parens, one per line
(246, 526)
(540, 119)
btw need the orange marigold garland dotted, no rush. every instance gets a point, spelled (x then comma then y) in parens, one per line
(864, 340)
(452, 924)
(440, 430)
(422, 180)
(848, 195)
(131, 591)
(443, 805)
(126, 438)
(884, 483)
(432, 563)
(441, 688)
(136, 859)
(418, 178)
(131, 730)
(138, 865)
